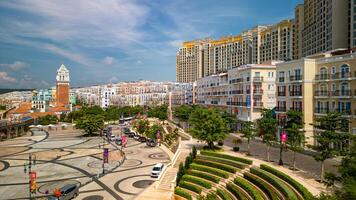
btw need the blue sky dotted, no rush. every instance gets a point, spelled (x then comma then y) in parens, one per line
(107, 41)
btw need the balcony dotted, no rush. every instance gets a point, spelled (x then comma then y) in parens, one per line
(295, 93)
(300, 109)
(281, 109)
(295, 78)
(341, 75)
(258, 92)
(257, 79)
(321, 110)
(341, 93)
(321, 93)
(258, 104)
(248, 91)
(322, 77)
(237, 80)
(281, 94)
(236, 92)
(344, 111)
(281, 80)
(235, 103)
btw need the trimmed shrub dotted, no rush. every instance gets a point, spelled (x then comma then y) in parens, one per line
(235, 191)
(190, 186)
(182, 193)
(211, 196)
(223, 195)
(224, 161)
(280, 185)
(216, 165)
(204, 176)
(249, 188)
(299, 187)
(229, 157)
(210, 170)
(262, 185)
(197, 181)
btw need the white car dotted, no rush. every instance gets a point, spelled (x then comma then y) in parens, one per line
(157, 169)
(112, 138)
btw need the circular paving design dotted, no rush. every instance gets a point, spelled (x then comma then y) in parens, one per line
(51, 186)
(95, 164)
(131, 163)
(132, 152)
(142, 183)
(4, 165)
(158, 156)
(117, 188)
(93, 197)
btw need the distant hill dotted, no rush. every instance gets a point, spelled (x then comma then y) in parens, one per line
(3, 91)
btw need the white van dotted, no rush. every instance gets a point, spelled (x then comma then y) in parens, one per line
(157, 169)
(112, 138)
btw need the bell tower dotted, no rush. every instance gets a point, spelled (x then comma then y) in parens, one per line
(62, 86)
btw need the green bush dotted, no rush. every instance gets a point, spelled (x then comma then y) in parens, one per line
(182, 193)
(235, 191)
(224, 161)
(229, 157)
(210, 170)
(204, 176)
(266, 188)
(190, 186)
(249, 188)
(216, 165)
(223, 195)
(280, 185)
(197, 181)
(299, 187)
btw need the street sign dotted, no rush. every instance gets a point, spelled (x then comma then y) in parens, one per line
(106, 155)
(284, 136)
(33, 176)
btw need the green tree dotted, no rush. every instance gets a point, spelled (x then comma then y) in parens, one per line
(295, 132)
(90, 123)
(93, 110)
(141, 126)
(182, 112)
(207, 125)
(159, 112)
(230, 120)
(329, 134)
(152, 131)
(74, 115)
(48, 119)
(267, 127)
(248, 131)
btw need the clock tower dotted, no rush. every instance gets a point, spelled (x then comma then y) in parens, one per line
(62, 86)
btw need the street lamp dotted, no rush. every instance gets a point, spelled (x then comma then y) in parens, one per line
(282, 139)
(31, 161)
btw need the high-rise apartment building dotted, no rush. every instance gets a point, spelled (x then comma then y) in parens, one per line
(297, 31)
(325, 25)
(352, 26)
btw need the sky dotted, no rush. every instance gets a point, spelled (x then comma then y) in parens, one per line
(108, 41)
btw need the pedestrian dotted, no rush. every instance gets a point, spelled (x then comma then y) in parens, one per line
(24, 168)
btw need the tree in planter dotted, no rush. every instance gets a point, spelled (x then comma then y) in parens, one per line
(236, 141)
(180, 173)
(182, 112)
(90, 123)
(207, 125)
(152, 131)
(188, 161)
(194, 152)
(249, 132)
(267, 128)
(141, 126)
(330, 133)
(294, 128)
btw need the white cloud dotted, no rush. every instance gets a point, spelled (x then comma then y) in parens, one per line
(114, 79)
(17, 65)
(109, 60)
(5, 78)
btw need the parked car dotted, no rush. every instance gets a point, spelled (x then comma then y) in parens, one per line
(118, 141)
(112, 137)
(151, 143)
(136, 136)
(142, 139)
(126, 130)
(131, 134)
(69, 191)
(157, 169)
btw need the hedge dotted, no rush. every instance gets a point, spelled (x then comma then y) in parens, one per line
(190, 186)
(266, 188)
(203, 175)
(249, 188)
(224, 161)
(216, 165)
(223, 195)
(299, 187)
(197, 181)
(211, 196)
(182, 193)
(280, 185)
(210, 170)
(235, 191)
(229, 157)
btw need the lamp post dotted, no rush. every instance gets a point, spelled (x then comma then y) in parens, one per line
(31, 161)
(282, 139)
